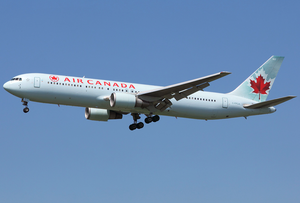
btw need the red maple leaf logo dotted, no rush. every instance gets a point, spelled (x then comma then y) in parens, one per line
(260, 87)
(54, 78)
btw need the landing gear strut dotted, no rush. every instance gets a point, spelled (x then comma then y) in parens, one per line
(25, 103)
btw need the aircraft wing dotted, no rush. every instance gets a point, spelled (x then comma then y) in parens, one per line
(178, 91)
(269, 103)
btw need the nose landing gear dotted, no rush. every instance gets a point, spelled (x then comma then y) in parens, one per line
(25, 103)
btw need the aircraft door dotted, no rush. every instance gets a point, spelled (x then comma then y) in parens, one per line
(225, 102)
(37, 82)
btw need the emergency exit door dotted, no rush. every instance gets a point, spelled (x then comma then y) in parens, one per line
(37, 82)
(225, 103)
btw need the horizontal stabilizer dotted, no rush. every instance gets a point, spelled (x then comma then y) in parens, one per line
(269, 103)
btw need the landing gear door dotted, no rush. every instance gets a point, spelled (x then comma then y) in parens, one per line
(225, 103)
(37, 82)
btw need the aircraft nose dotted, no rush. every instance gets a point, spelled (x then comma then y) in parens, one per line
(6, 86)
(12, 87)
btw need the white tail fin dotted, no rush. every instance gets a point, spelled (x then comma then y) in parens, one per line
(258, 85)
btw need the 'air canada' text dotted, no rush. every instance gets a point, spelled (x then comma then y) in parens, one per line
(97, 82)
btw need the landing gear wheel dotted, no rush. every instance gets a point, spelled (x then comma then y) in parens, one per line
(133, 126)
(139, 125)
(155, 118)
(26, 110)
(148, 120)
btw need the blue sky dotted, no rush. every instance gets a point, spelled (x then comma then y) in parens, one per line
(53, 154)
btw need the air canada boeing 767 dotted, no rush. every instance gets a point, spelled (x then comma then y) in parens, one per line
(104, 100)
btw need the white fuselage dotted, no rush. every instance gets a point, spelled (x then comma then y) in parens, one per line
(94, 93)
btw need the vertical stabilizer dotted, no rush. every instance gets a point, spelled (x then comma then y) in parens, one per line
(258, 85)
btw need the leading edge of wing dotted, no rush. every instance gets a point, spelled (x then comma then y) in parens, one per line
(176, 88)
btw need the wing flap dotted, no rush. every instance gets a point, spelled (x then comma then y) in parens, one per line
(269, 103)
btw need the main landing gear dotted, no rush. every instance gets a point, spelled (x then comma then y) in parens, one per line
(136, 125)
(25, 103)
(140, 125)
(152, 119)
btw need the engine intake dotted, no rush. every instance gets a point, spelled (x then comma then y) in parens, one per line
(101, 114)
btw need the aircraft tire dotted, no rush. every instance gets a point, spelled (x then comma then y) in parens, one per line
(132, 126)
(26, 110)
(139, 125)
(155, 118)
(148, 120)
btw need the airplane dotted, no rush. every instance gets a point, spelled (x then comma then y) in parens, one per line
(106, 100)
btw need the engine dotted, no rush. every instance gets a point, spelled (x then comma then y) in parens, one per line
(126, 101)
(101, 114)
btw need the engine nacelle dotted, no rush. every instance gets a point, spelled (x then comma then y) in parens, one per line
(126, 101)
(101, 114)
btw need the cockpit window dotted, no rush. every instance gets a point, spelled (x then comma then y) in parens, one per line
(18, 79)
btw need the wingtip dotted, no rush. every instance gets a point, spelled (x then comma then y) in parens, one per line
(225, 72)
(277, 56)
